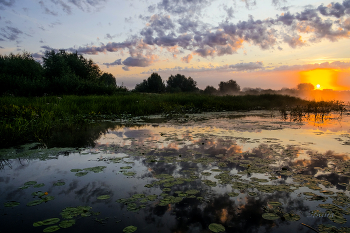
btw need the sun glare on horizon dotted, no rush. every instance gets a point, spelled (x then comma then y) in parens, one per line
(325, 78)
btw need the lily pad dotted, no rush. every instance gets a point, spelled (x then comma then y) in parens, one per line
(129, 229)
(215, 227)
(127, 167)
(67, 223)
(30, 183)
(291, 217)
(36, 202)
(76, 170)
(274, 203)
(103, 197)
(233, 194)
(129, 173)
(39, 185)
(51, 229)
(60, 183)
(270, 216)
(81, 173)
(11, 204)
(49, 221)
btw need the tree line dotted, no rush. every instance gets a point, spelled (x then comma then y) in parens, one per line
(60, 73)
(179, 83)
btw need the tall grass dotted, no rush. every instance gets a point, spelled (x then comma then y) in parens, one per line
(34, 118)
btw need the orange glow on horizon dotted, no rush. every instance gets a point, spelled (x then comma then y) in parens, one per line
(322, 79)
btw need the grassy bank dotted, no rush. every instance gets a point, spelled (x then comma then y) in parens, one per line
(23, 119)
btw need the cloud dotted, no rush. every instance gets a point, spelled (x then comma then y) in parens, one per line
(47, 10)
(115, 63)
(294, 41)
(139, 62)
(247, 66)
(333, 9)
(108, 36)
(125, 68)
(328, 65)
(7, 3)
(183, 6)
(249, 3)
(10, 33)
(187, 58)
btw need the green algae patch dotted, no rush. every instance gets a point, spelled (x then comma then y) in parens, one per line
(36, 202)
(215, 227)
(67, 223)
(51, 229)
(103, 197)
(129, 229)
(270, 216)
(60, 183)
(11, 204)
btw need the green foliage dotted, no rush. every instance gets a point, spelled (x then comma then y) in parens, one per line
(230, 86)
(210, 90)
(62, 63)
(22, 65)
(179, 83)
(154, 84)
(108, 79)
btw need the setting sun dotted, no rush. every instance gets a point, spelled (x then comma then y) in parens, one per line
(325, 78)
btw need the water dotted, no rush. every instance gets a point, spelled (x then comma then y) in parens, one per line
(223, 168)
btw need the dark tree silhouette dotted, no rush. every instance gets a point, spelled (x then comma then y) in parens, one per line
(210, 90)
(154, 84)
(108, 79)
(62, 63)
(179, 83)
(229, 87)
(305, 87)
(21, 65)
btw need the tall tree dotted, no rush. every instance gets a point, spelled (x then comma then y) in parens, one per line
(230, 86)
(108, 79)
(179, 83)
(57, 64)
(154, 84)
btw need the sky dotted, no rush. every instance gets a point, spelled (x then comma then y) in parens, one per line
(270, 44)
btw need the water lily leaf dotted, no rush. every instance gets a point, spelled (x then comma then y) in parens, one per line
(30, 183)
(233, 194)
(36, 202)
(11, 204)
(24, 187)
(129, 229)
(215, 227)
(252, 194)
(81, 174)
(270, 216)
(76, 170)
(47, 198)
(51, 229)
(275, 203)
(129, 173)
(60, 183)
(50, 221)
(291, 217)
(67, 223)
(192, 191)
(39, 185)
(127, 167)
(104, 197)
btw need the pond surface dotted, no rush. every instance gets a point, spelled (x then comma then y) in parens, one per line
(216, 172)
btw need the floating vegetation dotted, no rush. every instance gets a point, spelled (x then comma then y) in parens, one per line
(35, 202)
(72, 212)
(127, 167)
(233, 194)
(129, 173)
(291, 217)
(61, 183)
(103, 197)
(129, 229)
(215, 227)
(270, 216)
(39, 185)
(48, 221)
(28, 183)
(11, 204)
(79, 174)
(67, 223)
(51, 229)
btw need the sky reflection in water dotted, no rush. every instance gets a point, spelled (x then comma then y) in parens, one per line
(238, 163)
